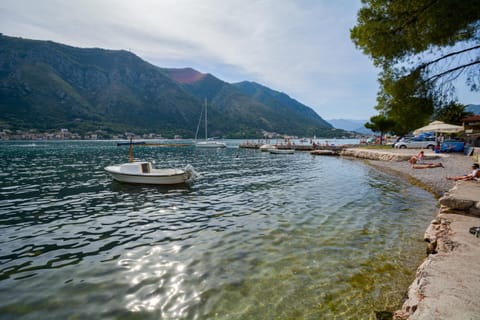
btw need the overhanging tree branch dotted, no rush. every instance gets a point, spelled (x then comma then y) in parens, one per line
(439, 75)
(397, 35)
(451, 54)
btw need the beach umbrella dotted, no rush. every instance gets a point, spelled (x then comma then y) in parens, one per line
(439, 126)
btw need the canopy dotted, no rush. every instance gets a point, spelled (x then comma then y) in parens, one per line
(439, 126)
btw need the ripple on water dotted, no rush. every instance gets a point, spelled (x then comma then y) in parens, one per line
(258, 236)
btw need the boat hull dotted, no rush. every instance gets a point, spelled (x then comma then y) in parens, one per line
(210, 144)
(155, 177)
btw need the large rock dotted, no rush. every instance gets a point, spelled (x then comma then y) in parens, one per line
(383, 155)
(375, 154)
(464, 198)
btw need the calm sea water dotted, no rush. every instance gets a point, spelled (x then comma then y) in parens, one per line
(256, 236)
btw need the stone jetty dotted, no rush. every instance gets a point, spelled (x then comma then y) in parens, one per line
(315, 149)
(297, 147)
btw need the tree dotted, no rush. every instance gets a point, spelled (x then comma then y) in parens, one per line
(422, 46)
(380, 123)
(453, 113)
(405, 101)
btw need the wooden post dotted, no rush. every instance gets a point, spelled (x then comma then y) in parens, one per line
(131, 150)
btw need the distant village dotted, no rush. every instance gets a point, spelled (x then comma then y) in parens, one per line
(65, 134)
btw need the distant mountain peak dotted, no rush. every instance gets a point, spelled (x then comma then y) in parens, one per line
(474, 108)
(350, 125)
(185, 75)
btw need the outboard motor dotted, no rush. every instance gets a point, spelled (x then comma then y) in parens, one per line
(191, 173)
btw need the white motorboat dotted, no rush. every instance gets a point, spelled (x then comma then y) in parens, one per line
(266, 147)
(207, 143)
(142, 172)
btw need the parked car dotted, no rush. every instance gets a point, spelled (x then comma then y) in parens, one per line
(425, 143)
(452, 146)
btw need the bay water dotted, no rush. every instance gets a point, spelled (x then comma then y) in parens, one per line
(255, 236)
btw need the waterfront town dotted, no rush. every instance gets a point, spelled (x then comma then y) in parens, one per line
(65, 134)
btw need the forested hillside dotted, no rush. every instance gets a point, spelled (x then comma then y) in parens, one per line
(46, 86)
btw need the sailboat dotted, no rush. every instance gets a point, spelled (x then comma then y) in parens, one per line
(207, 143)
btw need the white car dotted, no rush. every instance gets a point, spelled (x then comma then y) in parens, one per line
(426, 143)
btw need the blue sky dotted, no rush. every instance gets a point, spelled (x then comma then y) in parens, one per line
(302, 48)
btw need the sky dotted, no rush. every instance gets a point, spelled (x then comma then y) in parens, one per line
(299, 47)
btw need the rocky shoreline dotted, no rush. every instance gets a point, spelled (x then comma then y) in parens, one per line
(447, 283)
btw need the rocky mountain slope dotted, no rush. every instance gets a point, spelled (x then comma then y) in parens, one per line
(46, 86)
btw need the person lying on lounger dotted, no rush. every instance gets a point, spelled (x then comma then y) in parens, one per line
(427, 165)
(417, 159)
(475, 174)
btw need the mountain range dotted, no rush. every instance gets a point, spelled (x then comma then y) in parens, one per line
(474, 108)
(47, 86)
(351, 125)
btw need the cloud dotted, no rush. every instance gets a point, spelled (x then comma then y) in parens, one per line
(302, 48)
